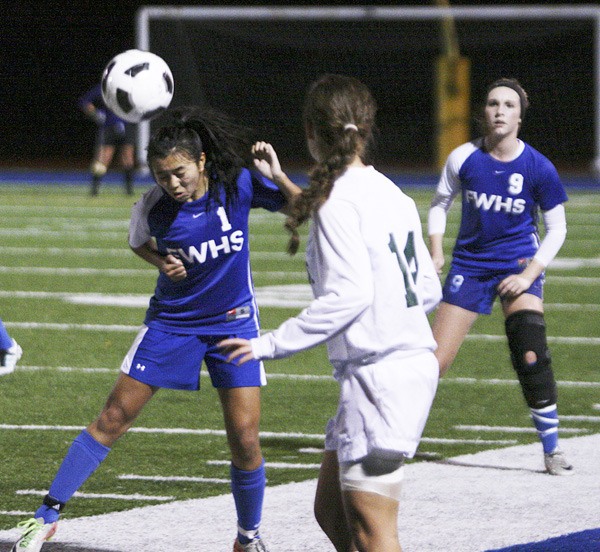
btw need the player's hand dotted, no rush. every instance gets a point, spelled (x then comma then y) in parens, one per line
(513, 286)
(99, 117)
(438, 263)
(173, 268)
(238, 350)
(266, 160)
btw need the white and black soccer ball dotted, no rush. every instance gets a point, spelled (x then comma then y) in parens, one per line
(137, 85)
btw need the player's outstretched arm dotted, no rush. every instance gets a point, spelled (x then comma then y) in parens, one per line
(267, 163)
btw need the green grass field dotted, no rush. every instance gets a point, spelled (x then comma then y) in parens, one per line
(67, 279)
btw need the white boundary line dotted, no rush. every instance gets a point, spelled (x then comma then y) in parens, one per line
(263, 434)
(513, 429)
(323, 377)
(274, 465)
(175, 478)
(111, 496)
(124, 328)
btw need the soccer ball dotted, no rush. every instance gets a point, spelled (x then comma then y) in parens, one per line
(137, 85)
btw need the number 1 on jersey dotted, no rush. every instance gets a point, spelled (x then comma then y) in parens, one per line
(225, 224)
(407, 261)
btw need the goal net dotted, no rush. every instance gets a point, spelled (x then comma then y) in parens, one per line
(256, 63)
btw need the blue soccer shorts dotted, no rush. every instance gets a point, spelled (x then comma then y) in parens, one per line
(165, 359)
(477, 293)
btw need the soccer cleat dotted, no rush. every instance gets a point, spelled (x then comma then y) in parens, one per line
(9, 358)
(35, 534)
(255, 545)
(557, 464)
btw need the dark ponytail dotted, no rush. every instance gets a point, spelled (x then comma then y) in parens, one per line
(226, 144)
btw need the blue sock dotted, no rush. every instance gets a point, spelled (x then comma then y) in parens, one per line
(248, 488)
(5, 340)
(546, 423)
(81, 460)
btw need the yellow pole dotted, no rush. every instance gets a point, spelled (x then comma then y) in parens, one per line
(452, 92)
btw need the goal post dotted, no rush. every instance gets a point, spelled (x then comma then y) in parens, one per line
(391, 49)
(453, 91)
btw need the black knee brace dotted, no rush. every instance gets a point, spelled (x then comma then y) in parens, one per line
(526, 332)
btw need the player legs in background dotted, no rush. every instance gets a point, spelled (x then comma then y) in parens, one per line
(127, 160)
(10, 352)
(102, 159)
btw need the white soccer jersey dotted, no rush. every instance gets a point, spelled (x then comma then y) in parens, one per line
(371, 275)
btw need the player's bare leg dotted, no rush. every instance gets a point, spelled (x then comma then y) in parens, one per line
(373, 519)
(241, 411)
(450, 328)
(329, 506)
(122, 407)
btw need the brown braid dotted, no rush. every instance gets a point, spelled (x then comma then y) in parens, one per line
(335, 107)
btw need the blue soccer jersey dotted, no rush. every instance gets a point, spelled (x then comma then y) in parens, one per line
(500, 202)
(94, 96)
(217, 296)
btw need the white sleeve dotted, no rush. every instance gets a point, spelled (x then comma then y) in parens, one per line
(556, 230)
(139, 231)
(447, 188)
(347, 286)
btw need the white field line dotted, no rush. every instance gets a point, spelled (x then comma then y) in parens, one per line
(124, 328)
(80, 235)
(494, 381)
(574, 280)
(285, 296)
(512, 429)
(119, 272)
(441, 441)
(113, 212)
(566, 263)
(176, 478)
(319, 377)
(575, 418)
(263, 434)
(41, 224)
(275, 465)
(53, 271)
(126, 252)
(111, 496)
(71, 327)
(559, 263)
(596, 406)
(167, 431)
(86, 231)
(63, 251)
(558, 339)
